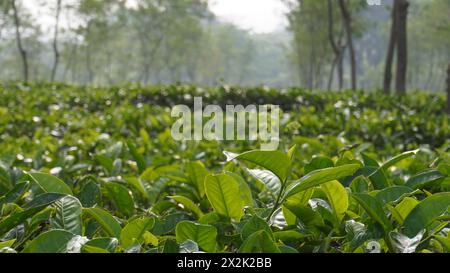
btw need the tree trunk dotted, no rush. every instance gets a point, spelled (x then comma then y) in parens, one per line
(391, 51)
(55, 41)
(448, 89)
(331, 76)
(340, 66)
(89, 55)
(22, 51)
(348, 29)
(402, 47)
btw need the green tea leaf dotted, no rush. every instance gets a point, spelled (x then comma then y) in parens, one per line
(223, 192)
(134, 231)
(68, 215)
(318, 177)
(203, 235)
(188, 204)
(259, 242)
(425, 179)
(53, 241)
(121, 198)
(50, 183)
(106, 220)
(374, 209)
(425, 213)
(274, 161)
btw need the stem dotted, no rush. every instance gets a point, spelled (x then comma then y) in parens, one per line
(277, 202)
(388, 242)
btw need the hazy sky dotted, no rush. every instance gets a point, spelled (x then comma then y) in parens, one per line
(259, 16)
(255, 15)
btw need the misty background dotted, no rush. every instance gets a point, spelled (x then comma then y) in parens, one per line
(278, 43)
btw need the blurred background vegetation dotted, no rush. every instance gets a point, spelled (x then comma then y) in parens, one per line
(327, 44)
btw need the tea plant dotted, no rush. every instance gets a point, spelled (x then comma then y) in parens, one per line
(96, 171)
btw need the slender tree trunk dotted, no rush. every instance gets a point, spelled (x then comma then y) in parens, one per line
(331, 76)
(348, 29)
(448, 89)
(55, 41)
(68, 66)
(391, 51)
(89, 55)
(23, 52)
(340, 68)
(402, 47)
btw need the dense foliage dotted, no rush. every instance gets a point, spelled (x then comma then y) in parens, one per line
(96, 170)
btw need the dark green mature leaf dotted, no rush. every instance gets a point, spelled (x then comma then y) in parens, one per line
(50, 183)
(305, 214)
(36, 205)
(259, 242)
(106, 220)
(15, 194)
(425, 213)
(253, 225)
(274, 161)
(368, 161)
(318, 177)
(121, 198)
(374, 209)
(203, 235)
(90, 194)
(140, 160)
(68, 215)
(53, 241)
(392, 194)
(318, 163)
(425, 179)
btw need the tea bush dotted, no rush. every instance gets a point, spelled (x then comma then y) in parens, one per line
(96, 170)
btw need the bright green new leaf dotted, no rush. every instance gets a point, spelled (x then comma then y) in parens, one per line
(188, 204)
(223, 192)
(100, 245)
(425, 213)
(197, 173)
(134, 231)
(203, 235)
(337, 197)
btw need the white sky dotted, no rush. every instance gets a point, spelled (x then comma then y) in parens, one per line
(259, 16)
